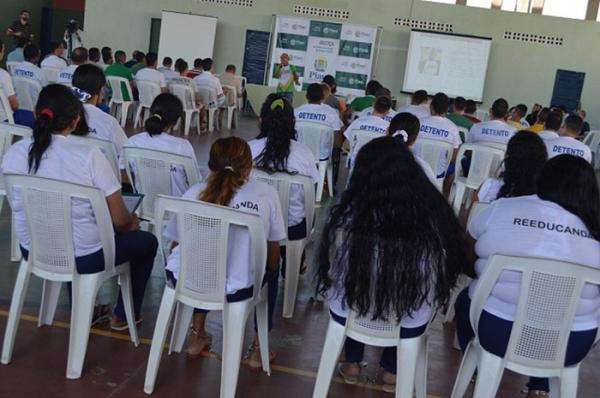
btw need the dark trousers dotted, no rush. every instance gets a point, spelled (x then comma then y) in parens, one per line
(494, 333)
(295, 232)
(139, 249)
(355, 350)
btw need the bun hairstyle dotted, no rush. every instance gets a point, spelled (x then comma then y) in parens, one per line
(405, 127)
(164, 113)
(278, 126)
(230, 162)
(56, 109)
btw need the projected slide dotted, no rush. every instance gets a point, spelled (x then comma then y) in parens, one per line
(453, 64)
(186, 36)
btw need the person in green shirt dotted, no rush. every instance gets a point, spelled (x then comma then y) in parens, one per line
(288, 78)
(359, 104)
(140, 57)
(457, 117)
(120, 70)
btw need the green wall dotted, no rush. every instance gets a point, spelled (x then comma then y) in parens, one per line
(518, 71)
(9, 12)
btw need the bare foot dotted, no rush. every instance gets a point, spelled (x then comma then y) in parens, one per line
(389, 381)
(350, 371)
(255, 359)
(198, 343)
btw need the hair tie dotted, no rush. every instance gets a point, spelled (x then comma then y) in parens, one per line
(48, 112)
(229, 168)
(82, 95)
(278, 103)
(156, 115)
(402, 134)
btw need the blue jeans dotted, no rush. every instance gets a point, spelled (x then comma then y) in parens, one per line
(355, 350)
(494, 333)
(136, 247)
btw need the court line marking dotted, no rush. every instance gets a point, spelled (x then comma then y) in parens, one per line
(146, 341)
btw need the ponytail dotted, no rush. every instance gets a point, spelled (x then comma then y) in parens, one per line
(277, 125)
(405, 127)
(42, 138)
(165, 111)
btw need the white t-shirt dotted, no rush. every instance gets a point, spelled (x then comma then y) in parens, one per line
(151, 75)
(528, 226)
(387, 117)
(370, 123)
(253, 197)
(548, 135)
(30, 71)
(489, 190)
(53, 61)
(301, 161)
(441, 129)
(319, 113)
(208, 80)
(491, 131)
(7, 88)
(167, 143)
(67, 161)
(420, 111)
(104, 126)
(65, 76)
(568, 146)
(168, 73)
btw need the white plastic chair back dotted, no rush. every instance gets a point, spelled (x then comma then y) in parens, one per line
(231, 96)
(185, 95)
(51, 73)
(485, 162)
(592, 140)
(433, 152)
(28, 91)
(11, 65)
(8, 132)
(465, 133)
(5, 104)
(482, 115)
(107, 148)
(360, 138)
(208, 96)
(312, 134)
(116, 85)
(153, 173)
(148, 91)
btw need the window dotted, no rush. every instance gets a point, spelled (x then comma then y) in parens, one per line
(442, 1)
(480, 3)
(575, 9)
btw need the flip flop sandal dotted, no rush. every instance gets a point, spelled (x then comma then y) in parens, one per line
(101, 313)
(123, 325)
(348, 379)
(207, 345)
(254, 364)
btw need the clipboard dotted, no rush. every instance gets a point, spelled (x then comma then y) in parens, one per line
(133, 201)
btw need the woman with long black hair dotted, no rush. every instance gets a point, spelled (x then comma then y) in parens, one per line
(401, 251)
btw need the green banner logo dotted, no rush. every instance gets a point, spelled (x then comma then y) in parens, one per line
(292, 42)
(353, 81)
(328, 30)
(355, 49)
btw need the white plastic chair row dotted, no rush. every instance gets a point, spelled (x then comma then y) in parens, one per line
(433, 152)
(283, 182)
(147, 91)
(592, 140)
(107, 148)
(312, 135)
(191, 111)
(202, 284)
(118, 106)
(47, 205)
(28, 91)
(548, 299)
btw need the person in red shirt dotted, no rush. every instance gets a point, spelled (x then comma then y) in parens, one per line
(197, 69)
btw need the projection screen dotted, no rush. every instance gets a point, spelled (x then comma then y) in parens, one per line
(186, 36)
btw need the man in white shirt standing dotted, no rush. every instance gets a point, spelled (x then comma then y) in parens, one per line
(28, 69)
(7, 89)
(55, 57)
(418, 105)
(551, 126)
(167, 69)
(151, 74)
(206, 80)
(79, 56)
(568, 143)
(495, 130)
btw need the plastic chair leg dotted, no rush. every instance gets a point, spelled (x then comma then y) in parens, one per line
(165, 312)
(322, 171)
(138, 116)
(186, 124)
(330, 179)
(406, 360)
(569, 381)
(292, 274)
(466, 370)
(458, 198)
(234, 319)
(50, 295)
(14, 314)
(85, 289)
(181, 325)
(211, 119)
(334, 341)
(230, 112)
(123, 109)
(15, 251)
(421, 372)
(489, 374)
(126, 293)
(262, 323)
(554, 384)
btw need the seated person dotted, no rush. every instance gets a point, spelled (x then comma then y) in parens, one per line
(456, 115)
(166, 69)
(118, 69)
(151, 74)
(538, 126)
(382, 92)
(28, 69)
(140, 62)
(206, 80)
(230, 79)
(552, 126)
(197, 68)
(470, 110)
(94, 55)
(333, 100)
(55, 58)
(495, 130)
(569, 141)
(516, 117)
(8, 90)
(359, 104)
(418, 105)
(79, 56)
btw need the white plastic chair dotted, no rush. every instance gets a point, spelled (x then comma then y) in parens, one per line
(152, 174)
(107, 148)
(482, 115)
(433, 152)
(5, 104)
(51, 73)
(28, 91)
(209, 98)
(548, 300)
(11, 65)
(47, 205)
(231, 109)
(312, 135)
(241, 102)
(465, 133)
(592, 140)
(283, 182)
(360, 138)
(121, 107)
(8, 132)
(187, 97)
(202, 284)
(485, 161)
(148, 91)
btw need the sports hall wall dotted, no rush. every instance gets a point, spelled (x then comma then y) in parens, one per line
(518, 71)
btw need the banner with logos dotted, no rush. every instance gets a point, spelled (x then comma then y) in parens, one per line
(319, 48)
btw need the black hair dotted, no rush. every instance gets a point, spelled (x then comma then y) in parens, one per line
(314, 93)
(166, 109)
(54, 45)
(151, 59)
(106, 53)
(94, 54)
(198, 63)
(407, 122)
(330, 81)
(499, 108)
(230, 68)
(120, 56)
(56, 109)
(419, 97)
(570, 182)
(574, 123)
(167, 61)
(470, 107)
(440, 103)
(382, 104)
(22, 42)
(180, 65)
(207, 64)
(30, 52)
(459, 103)
(79, 55)
(278, 126)
(553, 121)
(24, 11)
(543, 115)
(525, 156)
(139, 56)
(402, 243)
(372, 87)
(383, 92)
(522, 109)
(89, 78)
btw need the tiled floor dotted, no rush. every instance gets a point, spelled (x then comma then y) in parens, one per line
(115, 368)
